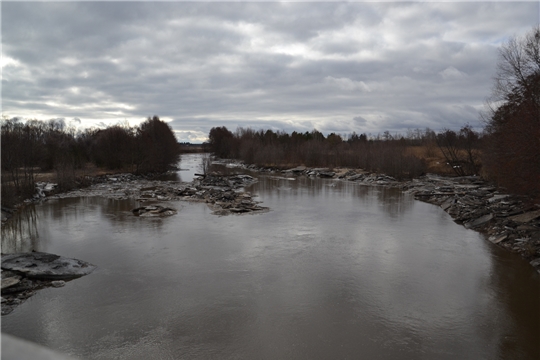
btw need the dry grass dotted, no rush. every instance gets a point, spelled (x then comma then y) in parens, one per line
(434, 158)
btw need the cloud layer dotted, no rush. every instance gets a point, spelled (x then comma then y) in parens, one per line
(337, 67)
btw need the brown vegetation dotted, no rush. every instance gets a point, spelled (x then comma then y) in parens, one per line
(398, 156)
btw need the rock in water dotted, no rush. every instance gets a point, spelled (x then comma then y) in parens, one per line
(156, 210)
(38, 265)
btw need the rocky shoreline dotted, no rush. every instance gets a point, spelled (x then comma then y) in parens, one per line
(507, 220)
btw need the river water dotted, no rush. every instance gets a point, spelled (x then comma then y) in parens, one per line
(335, 270)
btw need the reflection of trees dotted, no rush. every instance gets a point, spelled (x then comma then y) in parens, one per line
(393, 202)
(118, 213)
(20, 233)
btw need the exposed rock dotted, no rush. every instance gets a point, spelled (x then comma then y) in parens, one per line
(527, 217)
(153, 211)
(58, 283)
(497, 240)
(43, 188)
(224, 193)
(535, 262)
(37, 265)
(447, 203)
(10, 281)
(497, 197)
(480, 221)
(296, 170)
(320, 172)
(326, 174)
(26, 273)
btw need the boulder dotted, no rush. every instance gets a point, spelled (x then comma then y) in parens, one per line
(38, 265)
(153, 211)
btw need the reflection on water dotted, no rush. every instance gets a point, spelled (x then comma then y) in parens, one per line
(20, 234)
(190, 164)
(335, 270)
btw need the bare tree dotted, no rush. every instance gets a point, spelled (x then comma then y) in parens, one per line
(519, 61)
(512, 157)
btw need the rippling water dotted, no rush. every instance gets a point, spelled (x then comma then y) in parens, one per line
(335, 270)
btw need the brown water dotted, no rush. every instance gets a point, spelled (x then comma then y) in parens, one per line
(335, 271)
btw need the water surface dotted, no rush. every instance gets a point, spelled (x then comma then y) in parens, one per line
(335, 270)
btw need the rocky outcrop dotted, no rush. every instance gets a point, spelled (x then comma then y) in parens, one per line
(25, 273)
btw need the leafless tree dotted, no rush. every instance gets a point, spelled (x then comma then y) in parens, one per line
(512, 156)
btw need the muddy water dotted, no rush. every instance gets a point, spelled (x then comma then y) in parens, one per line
(334, 271)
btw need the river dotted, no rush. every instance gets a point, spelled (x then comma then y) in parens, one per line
(335, 270)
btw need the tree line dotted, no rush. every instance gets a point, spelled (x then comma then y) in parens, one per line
(387, 153)
(32, 146)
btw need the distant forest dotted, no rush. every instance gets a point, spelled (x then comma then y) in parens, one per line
(390, 154)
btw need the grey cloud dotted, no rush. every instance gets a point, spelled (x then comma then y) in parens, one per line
(360, 121)
(288, 66)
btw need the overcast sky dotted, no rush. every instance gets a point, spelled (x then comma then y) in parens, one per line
(336, 67)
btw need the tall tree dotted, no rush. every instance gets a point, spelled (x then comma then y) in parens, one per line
(513, 122)
(157, 147)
